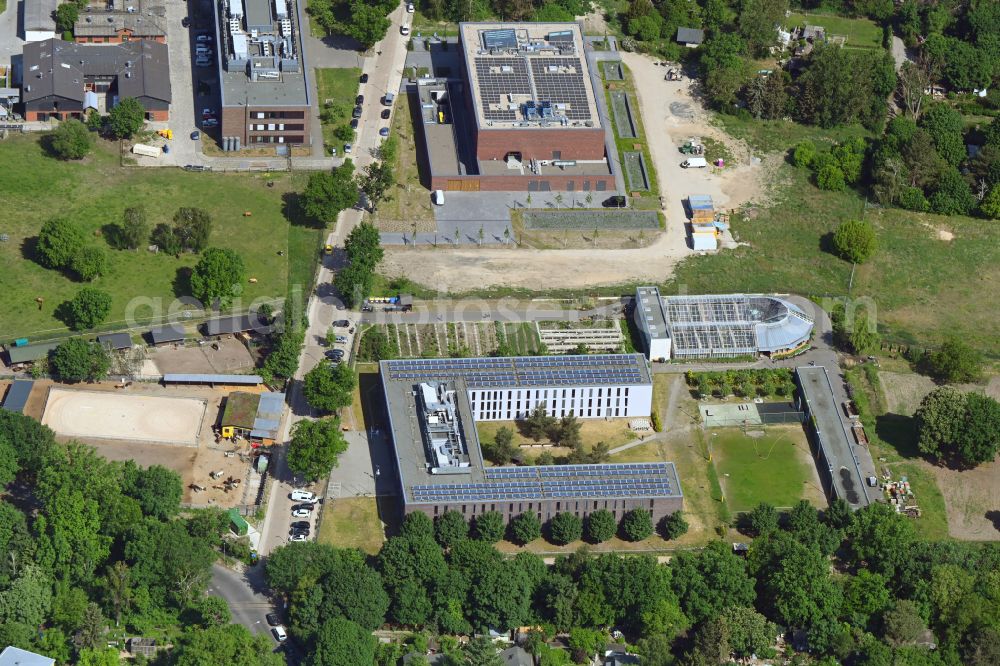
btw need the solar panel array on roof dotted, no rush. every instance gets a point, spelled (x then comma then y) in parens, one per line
(560, 81)
(503, 38)
(498, 78)
(569, 481)
(560, 36)
(526, 371)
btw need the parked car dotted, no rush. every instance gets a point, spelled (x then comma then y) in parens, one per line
(386, 113)
(279, 631)
(298, 536)
(341, 339)
(203, 62)
(301, 513)
(303, 507)
(357, 112)
(203, 37)
(383, 132)
(301, 525)
(354, 123)
(410, 8)
(388, 99)
(342, 323)
(694, 163)
(195, 135)
(347, 148)
(404, 30)
(272, 619)
(438, 197)
(302, 496)
(185, 22)
(364, 78)
(617, 201)
(334, 353)
(210, 122)
(359, 100)
(207, 113)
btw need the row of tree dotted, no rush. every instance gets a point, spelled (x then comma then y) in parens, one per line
(746, 383)
(73, 139)
(855, 588)
(95, 549)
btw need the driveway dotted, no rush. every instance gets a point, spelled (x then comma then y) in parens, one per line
(11, 43)
(244, 593)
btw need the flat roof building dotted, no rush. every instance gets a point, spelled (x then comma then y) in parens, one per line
(434, 404)
(719, 325)
(262, 72)
(838, 458)
(137, 19)
(63, 80)
(30, 353)
(169, 333)
(115, 340)
(524, 116)
(256, 416)
(17, 395)
(238, 324)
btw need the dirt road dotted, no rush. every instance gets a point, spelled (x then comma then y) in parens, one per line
(460, 270)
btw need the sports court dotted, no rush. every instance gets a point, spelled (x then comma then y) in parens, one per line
(743, 414)
(105, 415)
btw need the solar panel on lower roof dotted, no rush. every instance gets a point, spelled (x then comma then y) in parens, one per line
(501, 38)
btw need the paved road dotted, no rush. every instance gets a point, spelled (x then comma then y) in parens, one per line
(244, 594)
(10, 39)
(385, 72)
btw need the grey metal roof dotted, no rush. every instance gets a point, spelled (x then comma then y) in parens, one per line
(690, 35)
(649, 308)
(265, 425)
(170, 333)
(56, 68)
(821, 404)
(14, 656)
(115, 340)
(517, 656)
(38, 14)
(182, 378)
(17, 395)
(27, 353)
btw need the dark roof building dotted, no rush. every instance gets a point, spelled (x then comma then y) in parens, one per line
(115, 340)
(141, 19)
(240, 324)
(17, 395)
(690, 37)
(165, 334)
(235, 380)
(64, 80)
(30, 353)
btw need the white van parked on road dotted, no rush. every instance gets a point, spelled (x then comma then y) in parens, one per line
(694, 163)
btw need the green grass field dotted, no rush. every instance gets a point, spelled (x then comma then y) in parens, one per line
(340, 86)
(351, 522)
(922, 286)
(775, 468)
(94, 192)
(646, 200)
(860, 33)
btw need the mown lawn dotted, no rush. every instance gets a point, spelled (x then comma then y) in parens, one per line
(93, 193)
(337, 87)
(860, 33)
(775, 468)
(922, 287)
(352, 522)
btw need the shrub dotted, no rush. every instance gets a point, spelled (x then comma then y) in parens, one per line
(58, 242)
(673, 526)
(912, 198)
(804, 154)
(855, 241)
(90, 262)
(72, 140)
(88, 308)
(830, 178)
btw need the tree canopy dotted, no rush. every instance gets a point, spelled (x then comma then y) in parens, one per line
(315, 447)
(855, 241)
(329, 192)
(217, 276)
(78, 360)
(72, 140)
(126, 118)
(329, 387)
(88, 308)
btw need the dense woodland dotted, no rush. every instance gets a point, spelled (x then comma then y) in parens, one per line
(855, 589)
(96, 550)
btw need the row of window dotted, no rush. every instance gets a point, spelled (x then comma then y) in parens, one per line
(262, 115)
(517, 403)
(275, 127)
(298, 138)
(545, 509)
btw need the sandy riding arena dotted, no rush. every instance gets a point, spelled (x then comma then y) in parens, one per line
(132, 417)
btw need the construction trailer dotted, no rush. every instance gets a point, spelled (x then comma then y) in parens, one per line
(146, 150)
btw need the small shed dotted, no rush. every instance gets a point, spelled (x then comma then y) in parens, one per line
(167, 334)
(704, 241)
(140, 645)
(17, 395)
(690, 37)
(238, 523)
(115, 340)
(30, 353)
(702, 208)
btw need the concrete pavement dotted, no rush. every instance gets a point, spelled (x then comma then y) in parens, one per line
(11, 43)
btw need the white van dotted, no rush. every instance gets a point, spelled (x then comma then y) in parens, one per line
(404, 30)
(694, 163)
(302, 496)
(438, 197)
